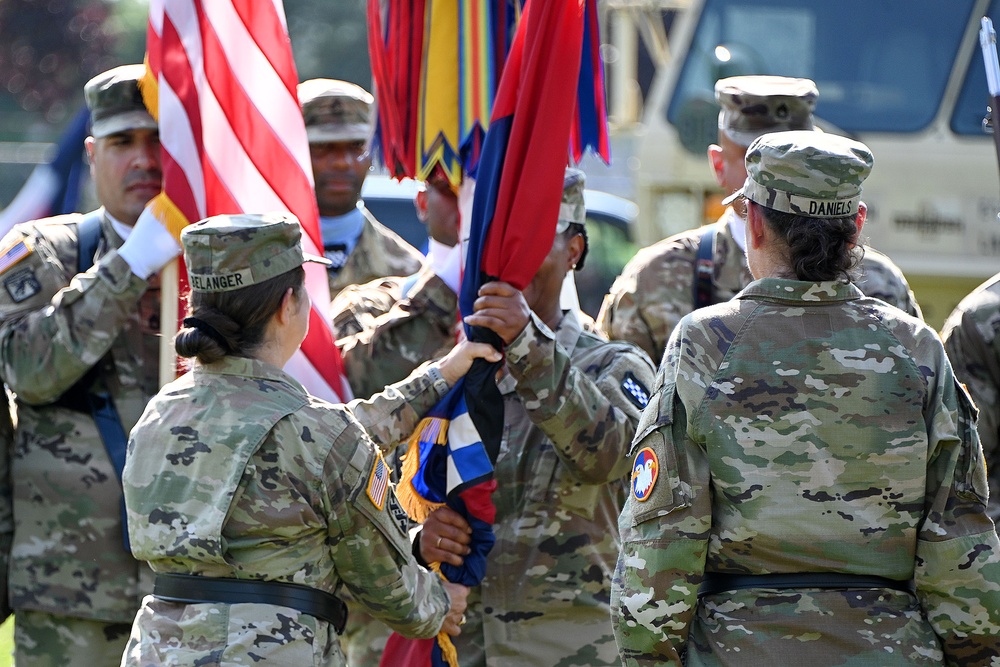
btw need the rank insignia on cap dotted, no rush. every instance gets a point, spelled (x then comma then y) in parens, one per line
(644, 473)
(378, 483)
(22, 285)
(634, 391)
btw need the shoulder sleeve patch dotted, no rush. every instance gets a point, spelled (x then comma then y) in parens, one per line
(14, 254)
(645, 470)
(635, 391)
(22, 284)
(378, 482)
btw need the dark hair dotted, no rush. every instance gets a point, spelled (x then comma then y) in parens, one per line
(235, 320)
(572, 230)
(819, 249)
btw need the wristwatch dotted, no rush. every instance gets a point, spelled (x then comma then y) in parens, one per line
(440, 384)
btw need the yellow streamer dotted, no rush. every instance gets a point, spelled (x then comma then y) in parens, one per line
(433, 430)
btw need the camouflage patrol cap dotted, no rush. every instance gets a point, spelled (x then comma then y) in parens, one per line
(115, 102)
(571, 208)
(335, 110)
(755, 105)
(813, 174)
(229, 252)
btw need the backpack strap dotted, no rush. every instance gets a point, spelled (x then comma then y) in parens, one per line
(99, 403)
(88, 232)
(704, 270)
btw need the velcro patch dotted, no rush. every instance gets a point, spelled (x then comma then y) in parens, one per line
(645, 470)
(14, 254)
(22, 285)
(378, 483)
(635, 391)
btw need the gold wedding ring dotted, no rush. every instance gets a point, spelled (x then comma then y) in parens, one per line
(438, 543)
(462, 621)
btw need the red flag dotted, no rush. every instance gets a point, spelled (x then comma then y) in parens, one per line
(222, 84)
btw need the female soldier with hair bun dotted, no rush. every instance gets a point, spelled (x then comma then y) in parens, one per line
(255, 503)
(808, 486)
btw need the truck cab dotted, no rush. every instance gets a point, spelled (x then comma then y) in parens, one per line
(906, 78)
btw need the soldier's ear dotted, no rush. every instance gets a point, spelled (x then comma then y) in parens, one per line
(859, 220)
(717, 161)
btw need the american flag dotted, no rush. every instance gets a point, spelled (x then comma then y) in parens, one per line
(221, 82)
(378, 482)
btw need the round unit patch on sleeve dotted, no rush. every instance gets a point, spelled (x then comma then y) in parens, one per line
(644, 473)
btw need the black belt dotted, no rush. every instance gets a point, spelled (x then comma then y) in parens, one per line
(717, 582)
(191, 589)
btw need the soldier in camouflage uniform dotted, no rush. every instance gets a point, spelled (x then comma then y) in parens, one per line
(972, 339)
(79, 349)
(808, 460)
(388, 327)
(6, 503)
(658, 286)
(255, 503)
(338, 126)
(571, 402)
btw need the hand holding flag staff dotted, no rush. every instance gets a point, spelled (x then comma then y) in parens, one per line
(549, 107)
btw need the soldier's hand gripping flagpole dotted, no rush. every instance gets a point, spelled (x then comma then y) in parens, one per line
(988, 42)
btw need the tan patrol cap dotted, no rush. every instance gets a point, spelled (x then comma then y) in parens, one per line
(756, 105)
(335, 110)
(228, 252)
(115, 102)
(811, 174)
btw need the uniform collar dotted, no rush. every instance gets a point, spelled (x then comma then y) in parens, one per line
(798, 291)
(248, 367)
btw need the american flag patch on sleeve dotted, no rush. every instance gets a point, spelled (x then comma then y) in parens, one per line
(378, 483)
(14, 254)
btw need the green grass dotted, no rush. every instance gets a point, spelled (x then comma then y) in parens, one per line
(7, 642)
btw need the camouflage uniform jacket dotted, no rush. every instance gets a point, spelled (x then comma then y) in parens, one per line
(379, 252)
(68, 555)
(236, 471)
(6, 503)
(571, 402)
(415, 327)
(805, 428)
(656, 287)
(972, 339)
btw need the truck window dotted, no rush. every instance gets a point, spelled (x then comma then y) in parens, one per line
(974, 96)
(879, 66)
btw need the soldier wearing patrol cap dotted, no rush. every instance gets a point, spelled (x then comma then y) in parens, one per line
(338, 119)
(699, 267)
(571, 404)
(257, 504)
(808, 486)
(79, 340)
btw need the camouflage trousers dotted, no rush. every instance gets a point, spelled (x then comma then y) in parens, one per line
(46, 640)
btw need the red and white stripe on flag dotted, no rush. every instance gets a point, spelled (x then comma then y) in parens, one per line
(223, 84)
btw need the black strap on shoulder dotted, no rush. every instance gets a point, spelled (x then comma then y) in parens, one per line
(192, 589)
(88, 233)
(82, 395)
(719, 582)
(704, 270)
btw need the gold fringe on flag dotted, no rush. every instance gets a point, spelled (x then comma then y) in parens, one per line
(432, 430)
(166, 211)
(448, 650)
(150, 89)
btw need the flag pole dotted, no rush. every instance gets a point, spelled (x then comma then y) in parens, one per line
(169, 316)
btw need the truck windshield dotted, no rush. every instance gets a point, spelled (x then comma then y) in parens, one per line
(879, 66)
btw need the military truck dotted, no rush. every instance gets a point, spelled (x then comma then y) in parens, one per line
(906, 77)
